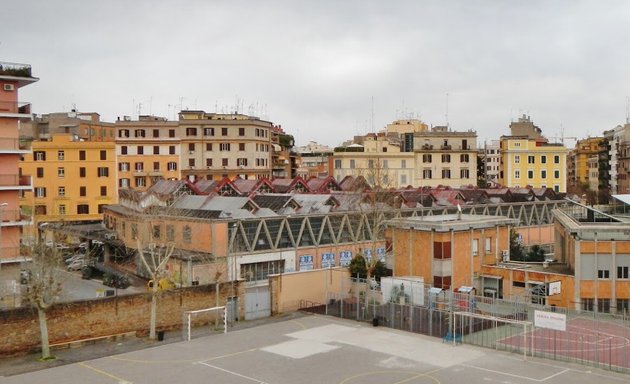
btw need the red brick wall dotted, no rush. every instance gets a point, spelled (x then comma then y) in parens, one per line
(19, 328)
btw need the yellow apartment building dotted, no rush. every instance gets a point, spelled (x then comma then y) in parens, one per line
(147, 150)
(72, 179)
(526, 161)
(85, 125)
(578, 161)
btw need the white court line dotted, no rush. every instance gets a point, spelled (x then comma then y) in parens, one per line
(516, 376)
(233, 373)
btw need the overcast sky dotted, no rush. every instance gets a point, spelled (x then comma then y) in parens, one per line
(327, 70)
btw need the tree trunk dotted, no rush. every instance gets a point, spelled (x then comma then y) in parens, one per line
(154, 297)
(43, 330)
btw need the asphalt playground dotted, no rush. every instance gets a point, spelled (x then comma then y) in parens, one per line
(316, 349)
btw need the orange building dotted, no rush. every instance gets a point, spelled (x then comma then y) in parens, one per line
(13, 183)
(449, 250)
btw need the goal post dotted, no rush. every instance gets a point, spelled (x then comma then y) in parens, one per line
(189, 316)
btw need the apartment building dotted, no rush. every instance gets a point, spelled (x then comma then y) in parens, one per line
(613, 138)
(623, 160)
(13, 180)
(527, 158)
(578, 160)
(72, 179)
(86, 126)
(491, 156)
(147, 150)
(316, 160)
(215, 146)
(284, 160)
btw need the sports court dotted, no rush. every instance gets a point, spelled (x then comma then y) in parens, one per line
(316, 349)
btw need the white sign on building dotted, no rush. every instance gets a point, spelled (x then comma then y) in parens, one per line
(550, 320)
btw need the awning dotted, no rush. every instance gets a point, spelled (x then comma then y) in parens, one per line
(464, 289)
(435, 291)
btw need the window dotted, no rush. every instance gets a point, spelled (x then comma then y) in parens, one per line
(139, 133)
(441, 250)
(517, 174)
(82, 154)
(39, 155)
(337, 164)
(517, 159)
(531, 160)
(403, 164)
(224, 131)
(102, 172)
(123, 150)
(123, 167)
(208, 146)
(371, 164)
(517, 145)
(61, 191)
(40, 172)
(123, 133)
(426, 174)
(556, 174)
(208, 163)
(83, 209)
(623, 306)
(191, 163)
(156, 133)
(134, 231)
(171, 166)
(156, 149)
(475, 247)
(187, 234)
(61, 155)
(427, 158)
(588, 304)
(603, 274)
(40, 191)
(170, 232)
(157, 231)
(224, 147)
(103, 191)
(530, 174)
(622, 272)
(156, 166)
(82, 171)
(103, 155)
(224, 162)
(543, 159)
(556, 188)
(464, 158)
(140, 150)
(62, 209)
(352, 164)
(385, 164)
(241, 131)
(488, 244)
(191, 131)
(124, 183)
(446, 173)
(603, 305)
(139, 167)
(242, 162)
(141, 182)
(171, 133)
(82, 191)
(241, 146)
(403, 179)
(464, 174)
(191, 147)
(556, 159)
(171, 150)
(543, 174)
(446, 158)
(208, 131)
(61, 172)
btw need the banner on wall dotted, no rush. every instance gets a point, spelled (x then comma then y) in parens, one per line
(368, 254)
(380, 253)
(306, 262)
(328, 260)
(344, 258)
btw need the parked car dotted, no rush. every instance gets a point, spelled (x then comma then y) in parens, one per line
(76, 265)
(73, 258)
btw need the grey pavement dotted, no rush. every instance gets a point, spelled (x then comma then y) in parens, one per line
(300, 348)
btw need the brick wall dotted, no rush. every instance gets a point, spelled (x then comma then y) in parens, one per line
(19, 328)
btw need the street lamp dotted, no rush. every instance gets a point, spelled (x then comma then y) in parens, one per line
(2, 205)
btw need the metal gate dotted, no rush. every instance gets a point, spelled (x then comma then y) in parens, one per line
(257, 303)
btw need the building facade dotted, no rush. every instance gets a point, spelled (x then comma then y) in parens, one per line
(578, 161)
(13, 180)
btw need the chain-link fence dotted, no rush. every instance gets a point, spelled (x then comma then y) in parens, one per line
(589, 338)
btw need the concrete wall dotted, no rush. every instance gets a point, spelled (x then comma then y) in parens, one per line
(288, 289)
(68, 322)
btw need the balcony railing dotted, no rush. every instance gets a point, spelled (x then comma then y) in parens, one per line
(13, 180)
(12, 215)
(15, 69)
(20, 107)
(13, 144)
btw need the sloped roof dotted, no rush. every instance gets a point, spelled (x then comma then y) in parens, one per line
(273, 201)
(206, 186)
(475, 196)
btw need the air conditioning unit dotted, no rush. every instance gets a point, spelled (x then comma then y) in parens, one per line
(9, 87)
(506, 255)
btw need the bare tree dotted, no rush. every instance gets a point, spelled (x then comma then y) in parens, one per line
(43, 286)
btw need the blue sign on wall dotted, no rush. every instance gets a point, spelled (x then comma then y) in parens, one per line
(328, 260)
(306, 262)
(344, 258)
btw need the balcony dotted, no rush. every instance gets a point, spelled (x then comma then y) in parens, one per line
(13, 145)
(19, 109)
(15, 69)
(13, 217)
(15, 181)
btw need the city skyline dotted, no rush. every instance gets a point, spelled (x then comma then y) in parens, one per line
(327, 71)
